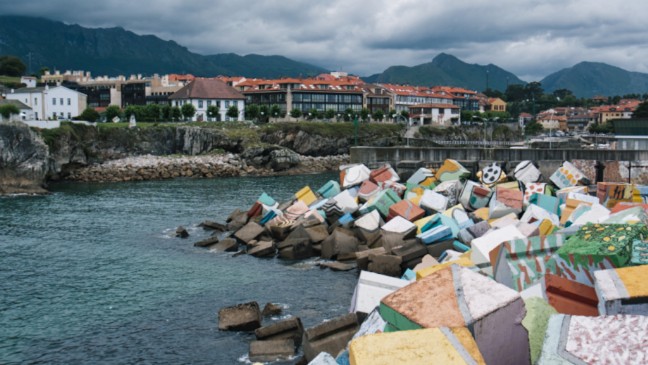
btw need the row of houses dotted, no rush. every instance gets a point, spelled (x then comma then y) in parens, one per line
(570, 119)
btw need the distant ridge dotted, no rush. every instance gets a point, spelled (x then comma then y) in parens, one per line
(588, 79)
(446, 69)
(115, 51)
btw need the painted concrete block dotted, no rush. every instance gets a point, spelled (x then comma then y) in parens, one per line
(595, 340)
(583, 214)
(523, 262)
(474, 196)
(384, 173)
(419, 347)
(367, 190)
(306, 195)
(346, 202)
(407, 210)
(466, 235)
(623, 290)
(458, 297)
(482, 246)
(628, 216)
(535, 188)
(596, 247)
(355, 174)
(536, 322)
(324, 358)
(381, 202)
(371, 288)
(568, 175)
(570, 297)
(460, 217)
(505, 201)
(639, 252)
(451, 170)
(420, 175)
(330, 189)
(527, 172)
(451, 190)
(433, 202)
(609, 193)
(491, 175)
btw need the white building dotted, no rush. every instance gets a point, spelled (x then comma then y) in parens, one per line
(203, 93)
(51, 103)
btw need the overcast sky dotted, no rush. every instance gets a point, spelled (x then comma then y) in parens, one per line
(531, 38)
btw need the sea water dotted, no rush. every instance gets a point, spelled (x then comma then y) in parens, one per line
(93, 273)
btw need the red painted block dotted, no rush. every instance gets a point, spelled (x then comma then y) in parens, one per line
(407, 210)
(570, 297)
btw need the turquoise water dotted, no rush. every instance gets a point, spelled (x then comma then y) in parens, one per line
(93, 274)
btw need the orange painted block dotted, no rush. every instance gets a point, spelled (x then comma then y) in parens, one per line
(570, 297)
(385, 173)
(407, 210)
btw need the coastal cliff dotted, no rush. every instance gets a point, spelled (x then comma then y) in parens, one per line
(23, 160)
(31, 157)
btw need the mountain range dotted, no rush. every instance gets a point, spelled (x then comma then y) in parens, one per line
(116, 51)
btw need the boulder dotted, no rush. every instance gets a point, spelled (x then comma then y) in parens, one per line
(290, 328)
(236, 220)
(271, 350)
(207, 242)
(271, 309)
(241, 317)
(263, 249)
(249, 232)
(385, 264)
(214, 226)
(331, 336)
(227, 244)
(340, 241)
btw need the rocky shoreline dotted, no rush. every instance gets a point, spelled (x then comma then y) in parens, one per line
(149, 167)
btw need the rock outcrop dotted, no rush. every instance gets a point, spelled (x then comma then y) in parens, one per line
(23, 160)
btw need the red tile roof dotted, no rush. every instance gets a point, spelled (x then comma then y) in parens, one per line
(207, 89)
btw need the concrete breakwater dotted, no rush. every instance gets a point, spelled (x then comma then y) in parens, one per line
(149, 167)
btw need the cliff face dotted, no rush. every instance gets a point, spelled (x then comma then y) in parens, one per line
(23, 160)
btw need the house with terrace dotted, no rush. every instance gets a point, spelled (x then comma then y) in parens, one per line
(203, 93)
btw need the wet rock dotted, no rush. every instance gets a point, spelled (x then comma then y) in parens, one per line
(236, 220)
(182, 232)
(271, 309)
(338, 266)
(385, 264)
(241, 317)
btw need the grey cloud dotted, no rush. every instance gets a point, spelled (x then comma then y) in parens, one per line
(530, 38)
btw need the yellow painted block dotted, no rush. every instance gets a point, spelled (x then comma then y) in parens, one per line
(634, 280)
(546, 227)
(570, 205)
(428, 181)
(306, 195)
(417, 347)
(463, 260)
(416, 199)
(481, 213)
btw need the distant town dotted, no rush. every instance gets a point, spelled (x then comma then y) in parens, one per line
(335, 96)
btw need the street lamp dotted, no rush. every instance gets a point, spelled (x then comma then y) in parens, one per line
(262, 117)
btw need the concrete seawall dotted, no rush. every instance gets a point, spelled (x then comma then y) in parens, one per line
(616, 165)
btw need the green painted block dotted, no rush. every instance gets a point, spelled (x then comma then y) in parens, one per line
(639, 252)
(396, 320)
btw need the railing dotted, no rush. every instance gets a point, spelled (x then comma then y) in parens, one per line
(423, 142)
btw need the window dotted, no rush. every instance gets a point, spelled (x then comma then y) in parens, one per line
(69, 114)
(53, 101)
(69, 101)
(209, 103)
(61, 99)
(200, 104)
(35, 101)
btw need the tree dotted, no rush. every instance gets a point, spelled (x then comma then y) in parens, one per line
(233, 112)
(165, 112)
(12, 66)
(8, 109)
(42, 71)
(364, 114)
(295, 113)
(329, 114)
(175, 113)
(515, 92)
(275, 111)
(405, 114)
(606, 127)
(112, 111)
(533, 90)
(493, 93)
(641, 112)
(89, 115)
(349, 114)
(188, 111)
(152, 112)
(378, 115)
(213, 112)
(135, 110)
(252, 112)
(562, 93)
(533, 128)
(264, 112)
